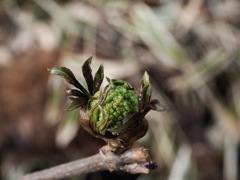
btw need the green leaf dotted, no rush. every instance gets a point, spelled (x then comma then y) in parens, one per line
(76, 103)
(145, 82)
(144, 92)
(102, 126)
(144, 100)
(87, 73)
(98, 79)
(64, 73)
(94, 113)
(69, 77)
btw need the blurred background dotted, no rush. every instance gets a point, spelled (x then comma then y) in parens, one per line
(190, 48)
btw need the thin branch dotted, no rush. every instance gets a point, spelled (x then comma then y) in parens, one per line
(133, 161)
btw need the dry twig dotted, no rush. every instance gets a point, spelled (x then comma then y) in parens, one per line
(136, 160)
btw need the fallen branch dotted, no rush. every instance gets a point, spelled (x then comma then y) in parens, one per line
(135, 161)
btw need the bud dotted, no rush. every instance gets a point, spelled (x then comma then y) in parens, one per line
(108, 108)
(114, 113)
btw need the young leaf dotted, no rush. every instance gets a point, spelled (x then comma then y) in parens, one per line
(76, 103)
(98, 79)
(156, 106)
(129, 121)
(69, 77)
(64, 73)
(87, 73)
(145, 82)
(75, 92)
(144, 92)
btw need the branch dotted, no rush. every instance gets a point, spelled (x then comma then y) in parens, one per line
(133, 161)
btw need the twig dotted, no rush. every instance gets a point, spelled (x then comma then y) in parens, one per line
(133, 161)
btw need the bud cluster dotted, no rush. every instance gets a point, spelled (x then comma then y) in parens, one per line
(114, 113)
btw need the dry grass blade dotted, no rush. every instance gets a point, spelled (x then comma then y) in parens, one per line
(182, 165)
(156, 35)
(212, 65)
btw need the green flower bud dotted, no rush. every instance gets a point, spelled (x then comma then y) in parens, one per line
(108, 108)
(115, 113)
